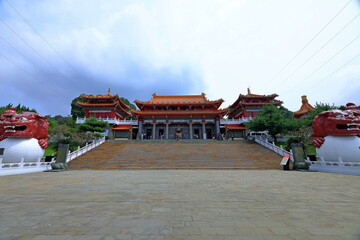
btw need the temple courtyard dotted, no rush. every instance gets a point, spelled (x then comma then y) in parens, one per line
(180, 204)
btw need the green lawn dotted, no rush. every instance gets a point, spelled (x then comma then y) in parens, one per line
(310, 149)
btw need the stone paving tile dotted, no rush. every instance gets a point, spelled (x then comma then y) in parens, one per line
(180, 204)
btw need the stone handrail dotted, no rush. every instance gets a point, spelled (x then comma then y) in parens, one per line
(274, 148)
(110, 120)
(336, 167)
(80, 151)
(235, 121)
(22, 164)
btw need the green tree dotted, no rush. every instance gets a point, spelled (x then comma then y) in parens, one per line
(132, 106)
(19, 108)
(319, 107)
(93, 125)
(77, 111)
(127, 102)
(274, 120)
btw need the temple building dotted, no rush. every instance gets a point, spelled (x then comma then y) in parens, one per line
(304, 109)
(245, 107)
(184, 117)
(109, 108)
(175, 116)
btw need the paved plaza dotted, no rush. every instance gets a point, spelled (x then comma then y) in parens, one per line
(180, 204)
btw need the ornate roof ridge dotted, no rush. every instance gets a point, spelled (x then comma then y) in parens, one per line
(179, 99)
(258, 95)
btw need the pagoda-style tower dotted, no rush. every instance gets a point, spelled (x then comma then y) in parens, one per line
(249, 105)
(108, 108)
(188, 116)
(304, 109)
(245, 107)
(104, 106)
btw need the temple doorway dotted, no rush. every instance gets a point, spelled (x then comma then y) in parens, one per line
(208, 133)
(161, 133)
(148, 133)
(134, 133)
(196, 133)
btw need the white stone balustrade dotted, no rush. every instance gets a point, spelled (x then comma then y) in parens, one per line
(335, 167)
(235, 121)
(110, 121)
(80, 151)
(24, 167)
(135, 122)
(274, 148)
(322, 166)
(40, 165)
(21, 164)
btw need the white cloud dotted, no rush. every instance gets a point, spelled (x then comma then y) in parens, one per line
(220, 46)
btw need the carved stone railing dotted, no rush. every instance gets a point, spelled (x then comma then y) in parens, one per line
(336, 167)
(80, 151)
(23, 164)
(24, 167)
(41, 164)
(111, 121)
(282, 152)
(235, 121)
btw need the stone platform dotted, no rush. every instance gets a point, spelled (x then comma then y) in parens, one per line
(180, 204)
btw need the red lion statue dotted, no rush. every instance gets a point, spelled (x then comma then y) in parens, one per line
(336, 123)
(24, 125)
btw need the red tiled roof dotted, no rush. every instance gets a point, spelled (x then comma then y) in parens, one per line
(262, 103)
(178, 99)
(242, 99)
(179, 112)
(85, 104)
(113, 101)
(235, 127)
(122, 127)
(304, 109)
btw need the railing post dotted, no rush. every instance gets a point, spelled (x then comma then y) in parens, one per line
(291, 155)
(68, 156)
(341, 163)
(22, 163)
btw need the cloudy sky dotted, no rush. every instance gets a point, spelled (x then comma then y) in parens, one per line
(51, 51)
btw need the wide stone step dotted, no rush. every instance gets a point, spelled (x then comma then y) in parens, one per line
(178, 155)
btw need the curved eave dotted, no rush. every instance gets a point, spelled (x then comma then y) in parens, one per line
(182, 113)
(141, 104)
(301, 113)
(83, 104)
(84, 96)
(305, 108)
(271, 96)
(114, 98)
(125, 113)
(265, 103)
(105, 105)
(240, 106)
(123, 105)
(241, 98)
(235, 111)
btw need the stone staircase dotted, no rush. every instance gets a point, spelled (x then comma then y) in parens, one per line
(177, 155)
